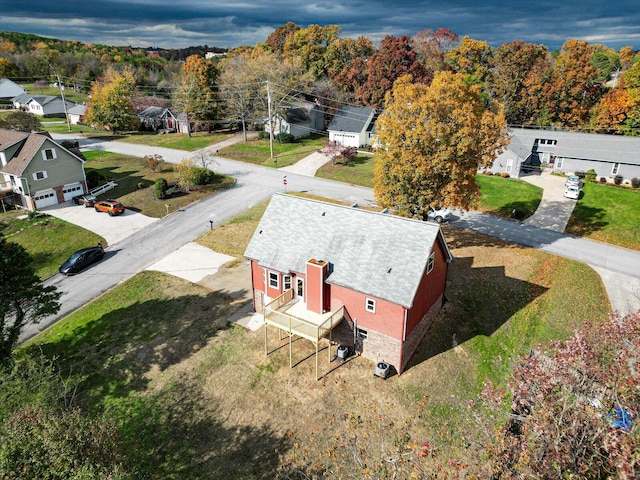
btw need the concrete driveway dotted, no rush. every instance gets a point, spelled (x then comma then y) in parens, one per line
(554, 210)
(112, 229)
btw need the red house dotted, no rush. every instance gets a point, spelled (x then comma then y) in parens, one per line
(371, 281)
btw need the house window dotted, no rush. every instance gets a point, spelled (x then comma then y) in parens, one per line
(49, 154)
(40, 175)
(615, 169)
(370, 305)
(559, 163)
(432, 260)
(300, 287)
(286, 282)
(361, 334)
(274, 280)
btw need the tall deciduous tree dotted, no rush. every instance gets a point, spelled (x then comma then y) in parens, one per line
(111, 104)
(516, 80)
(197, 93)
(431, 47)
(574, 87)
(471, 58)
(395, 58)
(310, 45)
(433, 139)
(23, 299)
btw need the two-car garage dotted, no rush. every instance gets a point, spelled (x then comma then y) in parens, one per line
(48, 197)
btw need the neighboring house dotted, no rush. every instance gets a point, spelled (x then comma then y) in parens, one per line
(156, 118)
(9, 90)
(20, 101)
(371, 281)
(299, 120)
(76, 114)
(570, 153)
(39, 171)
(353, 126)
(48, 106)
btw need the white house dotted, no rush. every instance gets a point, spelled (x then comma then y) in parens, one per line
(352, 126)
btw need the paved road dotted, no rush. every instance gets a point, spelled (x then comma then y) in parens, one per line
(255, 184)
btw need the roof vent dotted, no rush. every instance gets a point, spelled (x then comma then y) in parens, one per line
(389, 271)
(323, 213)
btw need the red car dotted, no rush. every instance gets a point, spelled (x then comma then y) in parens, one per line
(112, 207)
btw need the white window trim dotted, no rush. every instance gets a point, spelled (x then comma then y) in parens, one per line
(286, 280)
(370, 305)
(53, 154)
(559, 163)
(361, 334)
(431, 262)
(615, 169)
(44, 175)
(275, 277)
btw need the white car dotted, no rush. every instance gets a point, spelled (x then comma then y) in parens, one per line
(571, 191)
(439, 214)
(573, 181)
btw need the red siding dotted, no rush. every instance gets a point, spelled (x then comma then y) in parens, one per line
(430, 289)
(387, 319)
(256, 275)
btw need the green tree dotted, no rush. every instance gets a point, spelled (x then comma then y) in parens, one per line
(23, 299)
(111, 104)
(45, 437)
(471, 58)
(433, 139)
(517, 80)
(310, 45)
(19, 120)
(8, 68)
(197, 93)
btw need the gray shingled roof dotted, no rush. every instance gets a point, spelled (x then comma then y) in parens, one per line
(587, 146)
(351, 119)
(373, 253)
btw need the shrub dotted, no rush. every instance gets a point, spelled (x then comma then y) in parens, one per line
(603, 179)
(488, 172)
(202, 176)
(263, 135)
(285, 138)
(617, 179)
(590, 176)
(160, 189)
(94, 179)
(635, 182)
(505, 175)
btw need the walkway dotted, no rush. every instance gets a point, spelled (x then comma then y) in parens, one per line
(308, 166)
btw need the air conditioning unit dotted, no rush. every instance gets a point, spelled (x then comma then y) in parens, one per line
(383, 369)
(342, 352)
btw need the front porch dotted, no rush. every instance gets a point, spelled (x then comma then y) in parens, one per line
(290, 315)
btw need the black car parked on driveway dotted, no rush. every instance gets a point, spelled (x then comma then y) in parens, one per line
(82, 259)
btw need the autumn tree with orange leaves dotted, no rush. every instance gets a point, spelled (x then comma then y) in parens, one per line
(433, 139)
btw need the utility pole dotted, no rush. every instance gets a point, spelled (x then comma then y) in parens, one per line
(64, 103)
(270, 121)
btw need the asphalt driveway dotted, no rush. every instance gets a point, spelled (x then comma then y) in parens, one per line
(112, 229)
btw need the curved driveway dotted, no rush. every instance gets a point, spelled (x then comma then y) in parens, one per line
(256, 184)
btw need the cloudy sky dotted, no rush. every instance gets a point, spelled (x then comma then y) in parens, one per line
(227, 23)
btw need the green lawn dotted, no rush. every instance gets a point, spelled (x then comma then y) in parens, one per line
(197, 398)
(500, 196)
(608, 214)
(178, 141)
(285, 154)
(132, 172)
(49, 240)
(358, 171)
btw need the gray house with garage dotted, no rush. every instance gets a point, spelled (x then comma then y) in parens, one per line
(37, 172)
(570, 153)
(353, 126)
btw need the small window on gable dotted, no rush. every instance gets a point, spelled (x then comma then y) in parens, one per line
(49, 154)
(370, 305)
(40, 175)
(274, 280)
(432, 260)
(286, 282)
(615, 169)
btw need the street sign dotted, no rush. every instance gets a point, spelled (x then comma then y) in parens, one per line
(284, 180)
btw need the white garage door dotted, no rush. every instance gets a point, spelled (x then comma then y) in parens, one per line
(45, 198)
(72, 190)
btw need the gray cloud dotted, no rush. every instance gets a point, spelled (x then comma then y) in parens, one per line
(227, 23)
